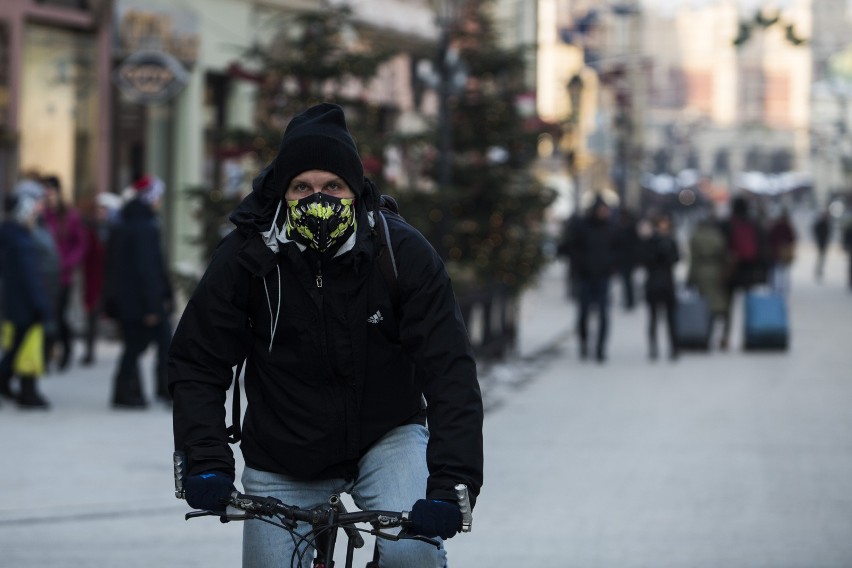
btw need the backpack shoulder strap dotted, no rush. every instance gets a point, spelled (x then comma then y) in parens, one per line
(387, 260)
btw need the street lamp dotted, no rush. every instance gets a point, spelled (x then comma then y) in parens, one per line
(575, 91)
(450, 71)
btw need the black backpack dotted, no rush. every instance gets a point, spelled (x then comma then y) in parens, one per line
(388, 207)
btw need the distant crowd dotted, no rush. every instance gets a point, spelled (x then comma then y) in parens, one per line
(742, 253)
(113, 244)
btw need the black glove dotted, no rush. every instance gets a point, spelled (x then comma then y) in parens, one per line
(209, 491)
(435, 518)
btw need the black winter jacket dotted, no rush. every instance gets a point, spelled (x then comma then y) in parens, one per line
(136, 282)
(593, 250)
(24, 297)
(660, 255)
(330, 369)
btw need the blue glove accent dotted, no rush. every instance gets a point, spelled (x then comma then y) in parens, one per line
(209, 491)
(435, 518)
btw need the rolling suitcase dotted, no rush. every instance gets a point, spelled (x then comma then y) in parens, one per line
(766, 324)
(692, 321)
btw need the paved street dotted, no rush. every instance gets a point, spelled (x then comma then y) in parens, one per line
(727, 459)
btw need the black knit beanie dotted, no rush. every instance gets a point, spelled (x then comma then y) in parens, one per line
(318, 139)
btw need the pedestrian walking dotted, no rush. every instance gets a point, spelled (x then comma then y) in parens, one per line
(708, 273)
(821, 230)
(847, 245)
(97, 229)
(659, 256)
(594, 258)
(627, 247)
(138, 293)
(342, 373)
(782, 249)
(746, 253)
(47, 258)
(25, 302)
(565, 250)
(66, 226)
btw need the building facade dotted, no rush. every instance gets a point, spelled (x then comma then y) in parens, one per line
(100, 92)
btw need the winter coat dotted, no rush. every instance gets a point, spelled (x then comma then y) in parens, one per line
(659, 256)
(25, 300)
(97, 234)
(330, 369)
(709, 265)
(47, 257)
(593, 248)
(137, 282)
(70, 238)
(628, 247)
(782, 240)
(822, 231)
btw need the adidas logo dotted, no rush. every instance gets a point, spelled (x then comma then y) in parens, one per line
(376, 317)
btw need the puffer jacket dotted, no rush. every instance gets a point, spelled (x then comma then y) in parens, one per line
(330, 369)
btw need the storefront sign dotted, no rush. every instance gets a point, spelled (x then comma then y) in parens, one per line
(142, 27)
(150, 77)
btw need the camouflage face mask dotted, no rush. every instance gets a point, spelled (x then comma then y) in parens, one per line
(320, 221)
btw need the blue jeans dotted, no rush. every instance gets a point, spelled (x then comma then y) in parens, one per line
(391, 476)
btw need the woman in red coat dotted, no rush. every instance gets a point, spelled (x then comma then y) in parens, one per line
(66, 225)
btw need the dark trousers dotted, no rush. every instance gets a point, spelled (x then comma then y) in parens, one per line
(64, 330)
(850, 269)
(594, 293)
(667, 304)
(137, 337)
(628, 287)
(91, 333)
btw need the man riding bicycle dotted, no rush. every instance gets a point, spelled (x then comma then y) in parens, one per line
(342, 371)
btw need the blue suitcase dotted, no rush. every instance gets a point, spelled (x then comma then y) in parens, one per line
(766, 324)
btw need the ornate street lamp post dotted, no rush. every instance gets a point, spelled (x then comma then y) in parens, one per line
(447, 13)
(575, 91)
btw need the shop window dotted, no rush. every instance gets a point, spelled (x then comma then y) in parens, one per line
(59, 107)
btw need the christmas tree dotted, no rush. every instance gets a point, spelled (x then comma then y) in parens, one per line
(488, 224)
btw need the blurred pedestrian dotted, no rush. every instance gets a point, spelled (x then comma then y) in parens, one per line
(847, 245)
(659, 255)
(627, 247)
(593, 258)
(822, 232)
(47, 256)
(138, 292)
(25, 301)
(66, 225)
(565, 250)
(709, 266)
(97, 229)
(782, 249)
(747, 264)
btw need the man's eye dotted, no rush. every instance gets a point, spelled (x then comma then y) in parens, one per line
(333, 186)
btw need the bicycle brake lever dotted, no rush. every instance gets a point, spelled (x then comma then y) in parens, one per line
(195, 514)
(405, 535)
